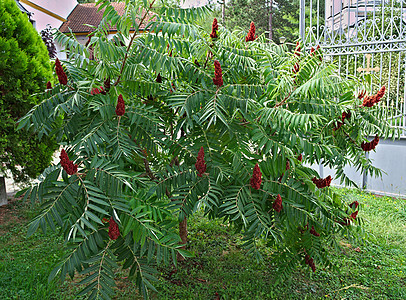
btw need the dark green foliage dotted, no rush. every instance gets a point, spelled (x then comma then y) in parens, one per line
(240, 13)
(285, 17)
(139, 168)
(24, 70)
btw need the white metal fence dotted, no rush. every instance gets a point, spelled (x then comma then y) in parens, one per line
(366, 39)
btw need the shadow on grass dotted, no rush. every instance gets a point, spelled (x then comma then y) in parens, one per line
(374, 268)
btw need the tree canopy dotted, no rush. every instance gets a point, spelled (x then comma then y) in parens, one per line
(174, 119)
(24, 71)
(284, 20)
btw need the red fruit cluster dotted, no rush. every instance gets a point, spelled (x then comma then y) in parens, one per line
(256, 178)
(345, 222)
(63, 79)
(312, 51)
(120, 108)
(371, 145)
(67, 164)
(214, 28)
(344, 116)
(218, 76)
(321, 183)
(159, 78)
(200, 163)
(297, 50)
(354, 205)
(309, 261)
(106, 84)
(114, 232)
(277, 205)
(49, 85)
(362, 94)
(167, 48)
(314, 232)
(173, 88)
(300, 157)
(295, 68)
(251, 34)
(96, 91)
(354, 215)
(370, 101)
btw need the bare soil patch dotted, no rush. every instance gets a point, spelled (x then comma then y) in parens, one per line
(11, 214)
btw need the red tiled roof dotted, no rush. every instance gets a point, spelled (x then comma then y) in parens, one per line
(88, 13)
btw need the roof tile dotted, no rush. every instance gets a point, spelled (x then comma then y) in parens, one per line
(88, 13)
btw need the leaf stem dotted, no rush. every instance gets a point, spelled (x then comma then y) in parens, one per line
(131, 42)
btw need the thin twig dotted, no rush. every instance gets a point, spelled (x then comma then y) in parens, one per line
(131, 42)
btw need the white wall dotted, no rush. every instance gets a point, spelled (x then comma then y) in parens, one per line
(59, 7)
(390, 157)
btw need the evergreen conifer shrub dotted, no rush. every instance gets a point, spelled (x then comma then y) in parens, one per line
(24, 71)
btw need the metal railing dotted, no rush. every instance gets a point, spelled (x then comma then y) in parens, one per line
(362, 37)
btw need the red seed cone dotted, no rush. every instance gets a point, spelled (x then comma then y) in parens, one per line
(107, 85)
(49, 85)
(344, 222)
(345, 115)
(362, 94)
(371, 145)
(296, 68)
(67, 164)
(317, 50)
(354, 215)
(314, 232)
(338, 126)
(297, 50)
(63, 156)
(310, 262)
(214, 28)
(300, 157)
(158, 78)
(114, 231)
(200, 163)
(120, 108)
(96, 91)
(321, 183)
(256, 178)
(354, 205)
(277, 205)
(380, 93)
(370, 101)
(251, 33)
(312, 51)
(218, 76)
(63, 79)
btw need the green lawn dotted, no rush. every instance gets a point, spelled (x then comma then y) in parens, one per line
(371, 269)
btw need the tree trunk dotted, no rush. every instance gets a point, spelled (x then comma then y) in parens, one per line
(223, 13)
(3, 193)
(183, 237)
(270, 20)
